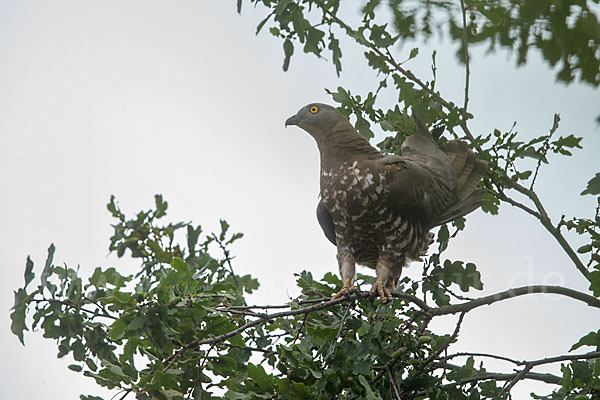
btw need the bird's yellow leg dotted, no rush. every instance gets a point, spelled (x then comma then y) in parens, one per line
(380, 289)
(346, 264)
(385, 278)
(347, 289)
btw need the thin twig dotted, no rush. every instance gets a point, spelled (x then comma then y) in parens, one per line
(439, 351)
(450, 292)
(566, 357)
(502, 196)
(389, 59)
(534, 363)
(463, 354)
(408, 322)
(256, 306)
(267, 352)
(324, 304)
(227, 258)
(339, 333)
(519, 376)
(547, 223)
(466, 51)
(393, 384)
(73, 306)
(124, 394)
(248, 313)
(544, 150)
(300, 328)
(426, 322)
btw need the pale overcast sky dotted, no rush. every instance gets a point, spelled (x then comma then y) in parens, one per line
(143, 97)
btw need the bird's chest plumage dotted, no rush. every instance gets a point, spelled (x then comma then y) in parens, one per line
(355, 195)
(352, 191)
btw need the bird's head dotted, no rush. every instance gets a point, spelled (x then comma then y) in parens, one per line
(317, 119)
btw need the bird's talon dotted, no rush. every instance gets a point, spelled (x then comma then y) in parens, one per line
(384, 293)
(345, 291)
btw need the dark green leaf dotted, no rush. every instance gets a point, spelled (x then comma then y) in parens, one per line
(75, 367)
(370, 394)
(28, 271)
(288, 50)
(262, 23)
(593, 186)
(595, 282)
(161, 206)
(179, 264)
(48, 267)
(17, 317)
(591, 339)
(336, 52)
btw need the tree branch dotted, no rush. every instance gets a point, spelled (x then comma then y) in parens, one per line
(466, 55)
(547, 378)
(554, 231)
(431, 312)
(533, 363)
(227, 258)
(493, 298)
(519, 376)
(502, 196)
(413, 299)
(566, 357)
(339, 333)
(351, 32)
(497, 357)
(393, 384)
(439, 351)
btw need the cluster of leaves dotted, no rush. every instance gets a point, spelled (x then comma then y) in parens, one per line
(124, 331)
(589, 228)
(181, 328)
(172, 330)
(565, 31)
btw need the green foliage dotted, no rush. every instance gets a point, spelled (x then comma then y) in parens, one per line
(565, 33)
(120, 329)
(181, 327)
(593, 186)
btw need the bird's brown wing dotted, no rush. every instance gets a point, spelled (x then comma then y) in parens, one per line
(432, 184)
(421, 187)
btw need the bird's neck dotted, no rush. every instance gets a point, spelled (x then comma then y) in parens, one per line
(342, 145)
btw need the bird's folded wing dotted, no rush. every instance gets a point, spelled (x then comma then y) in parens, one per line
(421, 186)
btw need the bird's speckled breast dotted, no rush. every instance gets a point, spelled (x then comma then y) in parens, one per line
(355, 196)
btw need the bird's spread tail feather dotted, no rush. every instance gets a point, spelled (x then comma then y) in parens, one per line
(469, 170)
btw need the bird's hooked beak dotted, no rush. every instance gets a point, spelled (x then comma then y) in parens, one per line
(293, 120)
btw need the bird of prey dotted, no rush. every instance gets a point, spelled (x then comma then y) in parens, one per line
(378, 209)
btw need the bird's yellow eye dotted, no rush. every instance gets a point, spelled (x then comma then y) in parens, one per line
(314, 109)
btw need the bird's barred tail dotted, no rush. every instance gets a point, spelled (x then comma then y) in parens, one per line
(469, 171)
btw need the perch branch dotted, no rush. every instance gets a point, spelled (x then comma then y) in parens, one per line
(431, 312)
(487, 300)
